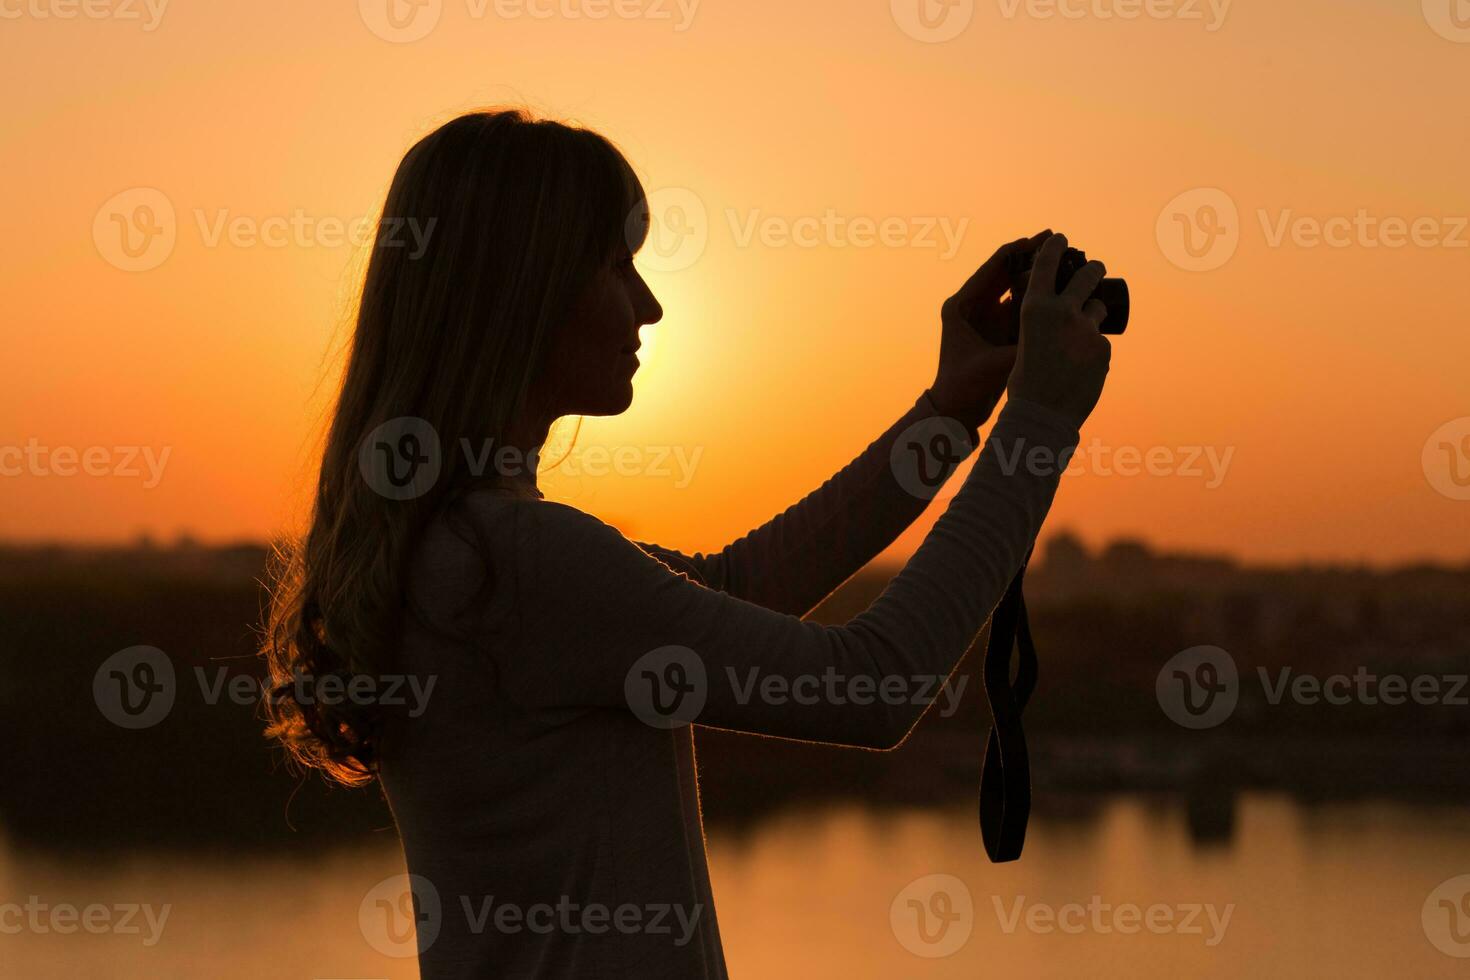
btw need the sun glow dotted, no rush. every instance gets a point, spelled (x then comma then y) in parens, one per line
(780, 356)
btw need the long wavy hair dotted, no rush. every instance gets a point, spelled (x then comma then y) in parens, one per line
(518, 215)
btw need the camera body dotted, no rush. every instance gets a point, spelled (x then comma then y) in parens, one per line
(1113, 293)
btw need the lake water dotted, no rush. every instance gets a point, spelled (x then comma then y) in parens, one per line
(1345, 891)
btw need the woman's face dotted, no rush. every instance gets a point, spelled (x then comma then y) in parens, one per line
(595, 354)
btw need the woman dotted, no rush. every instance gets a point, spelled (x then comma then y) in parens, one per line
(546, 791)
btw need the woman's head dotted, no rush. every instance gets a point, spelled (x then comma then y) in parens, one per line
(500, 295)
(523, 218)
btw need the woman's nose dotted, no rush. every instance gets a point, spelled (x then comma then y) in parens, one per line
(650, 311)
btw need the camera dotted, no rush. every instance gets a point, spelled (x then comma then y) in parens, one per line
(1113, 293)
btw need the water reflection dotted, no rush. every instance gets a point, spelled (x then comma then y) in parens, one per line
(1125, 886)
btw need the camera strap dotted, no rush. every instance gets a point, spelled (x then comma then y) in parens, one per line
(1005, 775)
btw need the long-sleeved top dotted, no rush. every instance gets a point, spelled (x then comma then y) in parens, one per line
(546, 791)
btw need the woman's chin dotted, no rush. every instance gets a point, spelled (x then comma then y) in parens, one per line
(615, 401)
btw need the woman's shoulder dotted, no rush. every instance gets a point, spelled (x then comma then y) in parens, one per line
(482, 534)
(500, 510)
(541, 544)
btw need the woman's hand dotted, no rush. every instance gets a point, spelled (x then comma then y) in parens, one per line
(973, 370)
(1063, 359)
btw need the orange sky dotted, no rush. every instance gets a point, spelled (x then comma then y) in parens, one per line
(1318, 371)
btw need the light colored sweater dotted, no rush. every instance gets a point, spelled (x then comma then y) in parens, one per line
(543, 796)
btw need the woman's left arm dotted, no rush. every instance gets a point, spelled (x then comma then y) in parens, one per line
(799, 557)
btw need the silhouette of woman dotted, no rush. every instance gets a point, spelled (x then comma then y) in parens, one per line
(545, 788)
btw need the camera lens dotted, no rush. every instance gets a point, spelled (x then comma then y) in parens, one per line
(1114, 295)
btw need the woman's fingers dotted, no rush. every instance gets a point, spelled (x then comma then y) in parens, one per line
(990, 282)
(1095, 311)
(1084, 283)
(1044, 272)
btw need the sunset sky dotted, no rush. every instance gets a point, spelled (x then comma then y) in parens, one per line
(1310, 380)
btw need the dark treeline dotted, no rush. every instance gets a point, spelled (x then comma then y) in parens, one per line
(1105, 623)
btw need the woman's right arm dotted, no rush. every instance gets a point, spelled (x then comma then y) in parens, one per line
(594, 606)
(605, 624)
